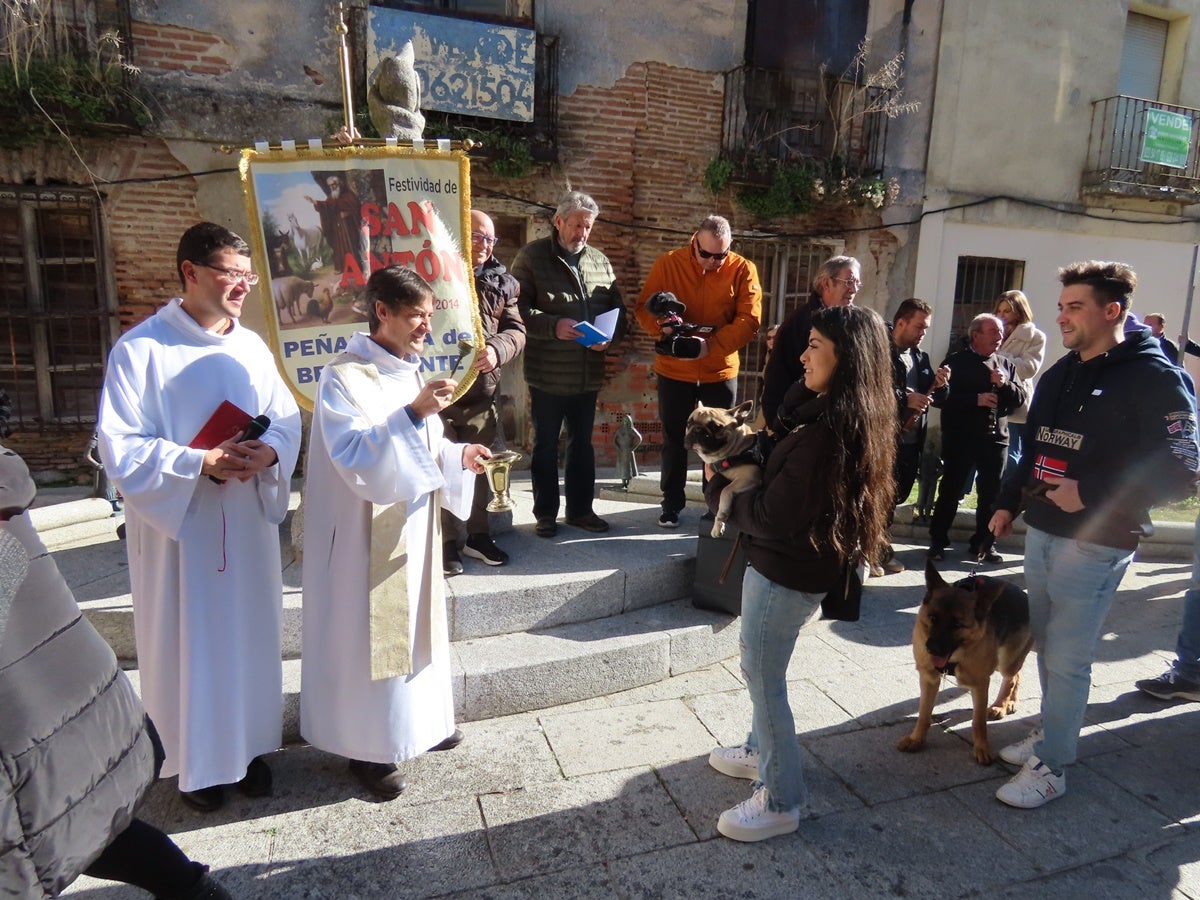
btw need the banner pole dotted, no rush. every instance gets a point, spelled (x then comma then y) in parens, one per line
(344, 73)
(1187, 306)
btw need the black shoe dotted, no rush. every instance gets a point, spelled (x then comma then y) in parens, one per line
(990, 556)
(937, 554)
(449, 743)
(668, 520)
(589, 522)
(258, 781)
(381, 779)
(546, 528)
(480, 546)
(208, 799)
(451, 561)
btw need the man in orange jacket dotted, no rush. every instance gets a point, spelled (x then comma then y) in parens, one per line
(721, 292)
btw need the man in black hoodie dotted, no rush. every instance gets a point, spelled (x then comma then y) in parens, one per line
(1112, 432)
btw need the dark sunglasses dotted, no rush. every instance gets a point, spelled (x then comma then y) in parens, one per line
(704, 254)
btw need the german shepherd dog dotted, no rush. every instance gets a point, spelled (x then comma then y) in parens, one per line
(969, 629)
(722, 439)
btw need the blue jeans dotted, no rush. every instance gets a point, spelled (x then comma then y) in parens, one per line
(1071, 586)
(771, 619)
(1187, 648)
(550, 412)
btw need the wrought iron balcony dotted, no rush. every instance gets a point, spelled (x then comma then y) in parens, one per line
(1117, 161)
(775, 115)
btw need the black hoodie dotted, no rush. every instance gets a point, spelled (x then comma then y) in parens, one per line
(1123, 424)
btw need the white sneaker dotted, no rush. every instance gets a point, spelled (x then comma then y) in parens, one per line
(1016, 754)
(751, 820)
(1035, 785)
(736, 762)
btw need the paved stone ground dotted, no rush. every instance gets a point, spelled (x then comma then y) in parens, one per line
(613, 797)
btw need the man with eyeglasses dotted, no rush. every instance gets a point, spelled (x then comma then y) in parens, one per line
(719, 289)
(474, 418)
(837, 282)
(203, 522)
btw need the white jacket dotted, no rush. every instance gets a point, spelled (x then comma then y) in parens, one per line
(1025, 347)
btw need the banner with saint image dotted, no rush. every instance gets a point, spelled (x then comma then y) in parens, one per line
(325, 219)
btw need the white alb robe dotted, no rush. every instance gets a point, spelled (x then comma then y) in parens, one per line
(351, 465)
(204, 559)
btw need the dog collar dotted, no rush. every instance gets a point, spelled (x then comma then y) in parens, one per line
(723, 465)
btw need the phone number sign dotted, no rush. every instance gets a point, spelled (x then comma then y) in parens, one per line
(466, 67)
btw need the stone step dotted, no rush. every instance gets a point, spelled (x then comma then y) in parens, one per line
(514, 673)
(574, 577)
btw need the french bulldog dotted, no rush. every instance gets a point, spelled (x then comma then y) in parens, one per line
(723, 439)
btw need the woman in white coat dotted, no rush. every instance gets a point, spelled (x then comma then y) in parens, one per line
(1025, 346)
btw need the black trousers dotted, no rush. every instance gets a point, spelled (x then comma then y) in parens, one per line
(957, 460)
(908, 464)
(143, 856)
(676, 400)
(550, 413)
(473, 424)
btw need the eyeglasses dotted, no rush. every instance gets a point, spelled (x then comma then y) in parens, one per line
(477, 238)
(704, 254)
(848, 282)
(230, 276)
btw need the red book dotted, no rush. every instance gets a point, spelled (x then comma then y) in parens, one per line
(227, 421)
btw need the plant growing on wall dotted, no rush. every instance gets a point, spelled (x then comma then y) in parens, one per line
(505, 154)
(860, 93)
(46, 91)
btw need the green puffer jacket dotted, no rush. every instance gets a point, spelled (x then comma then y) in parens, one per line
(550, 291)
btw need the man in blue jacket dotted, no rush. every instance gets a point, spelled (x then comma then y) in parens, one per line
(1112, 430)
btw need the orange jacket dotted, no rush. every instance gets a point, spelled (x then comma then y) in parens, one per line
(729, 297)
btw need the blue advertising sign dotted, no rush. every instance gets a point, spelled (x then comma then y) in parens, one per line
(466, 67)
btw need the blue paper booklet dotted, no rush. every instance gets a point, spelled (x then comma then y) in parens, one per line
(600, 331)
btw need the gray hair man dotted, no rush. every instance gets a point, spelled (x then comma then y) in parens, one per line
(565, 282)
(984, 389)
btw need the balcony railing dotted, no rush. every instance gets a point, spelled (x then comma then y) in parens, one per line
(771, 114)
(1114, 163)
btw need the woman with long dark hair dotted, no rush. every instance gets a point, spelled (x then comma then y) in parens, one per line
(823, 503)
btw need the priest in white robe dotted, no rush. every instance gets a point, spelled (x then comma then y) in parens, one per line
(202, 524)
(376, 656)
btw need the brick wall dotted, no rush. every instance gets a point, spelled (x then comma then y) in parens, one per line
(142, 223)
(641, 148)
(172, 48)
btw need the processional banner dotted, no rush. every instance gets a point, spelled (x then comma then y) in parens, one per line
(325, 218)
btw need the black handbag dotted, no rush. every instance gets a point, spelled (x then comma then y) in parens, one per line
(844, 600)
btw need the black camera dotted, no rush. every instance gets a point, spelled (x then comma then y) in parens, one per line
(685, 340)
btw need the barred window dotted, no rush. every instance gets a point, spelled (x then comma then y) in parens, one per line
(56, 316)
(786, 271)
(979, 282)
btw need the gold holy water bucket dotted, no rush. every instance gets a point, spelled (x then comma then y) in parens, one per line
(497, 470)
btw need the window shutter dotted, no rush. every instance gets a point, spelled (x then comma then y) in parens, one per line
(1142, 56)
